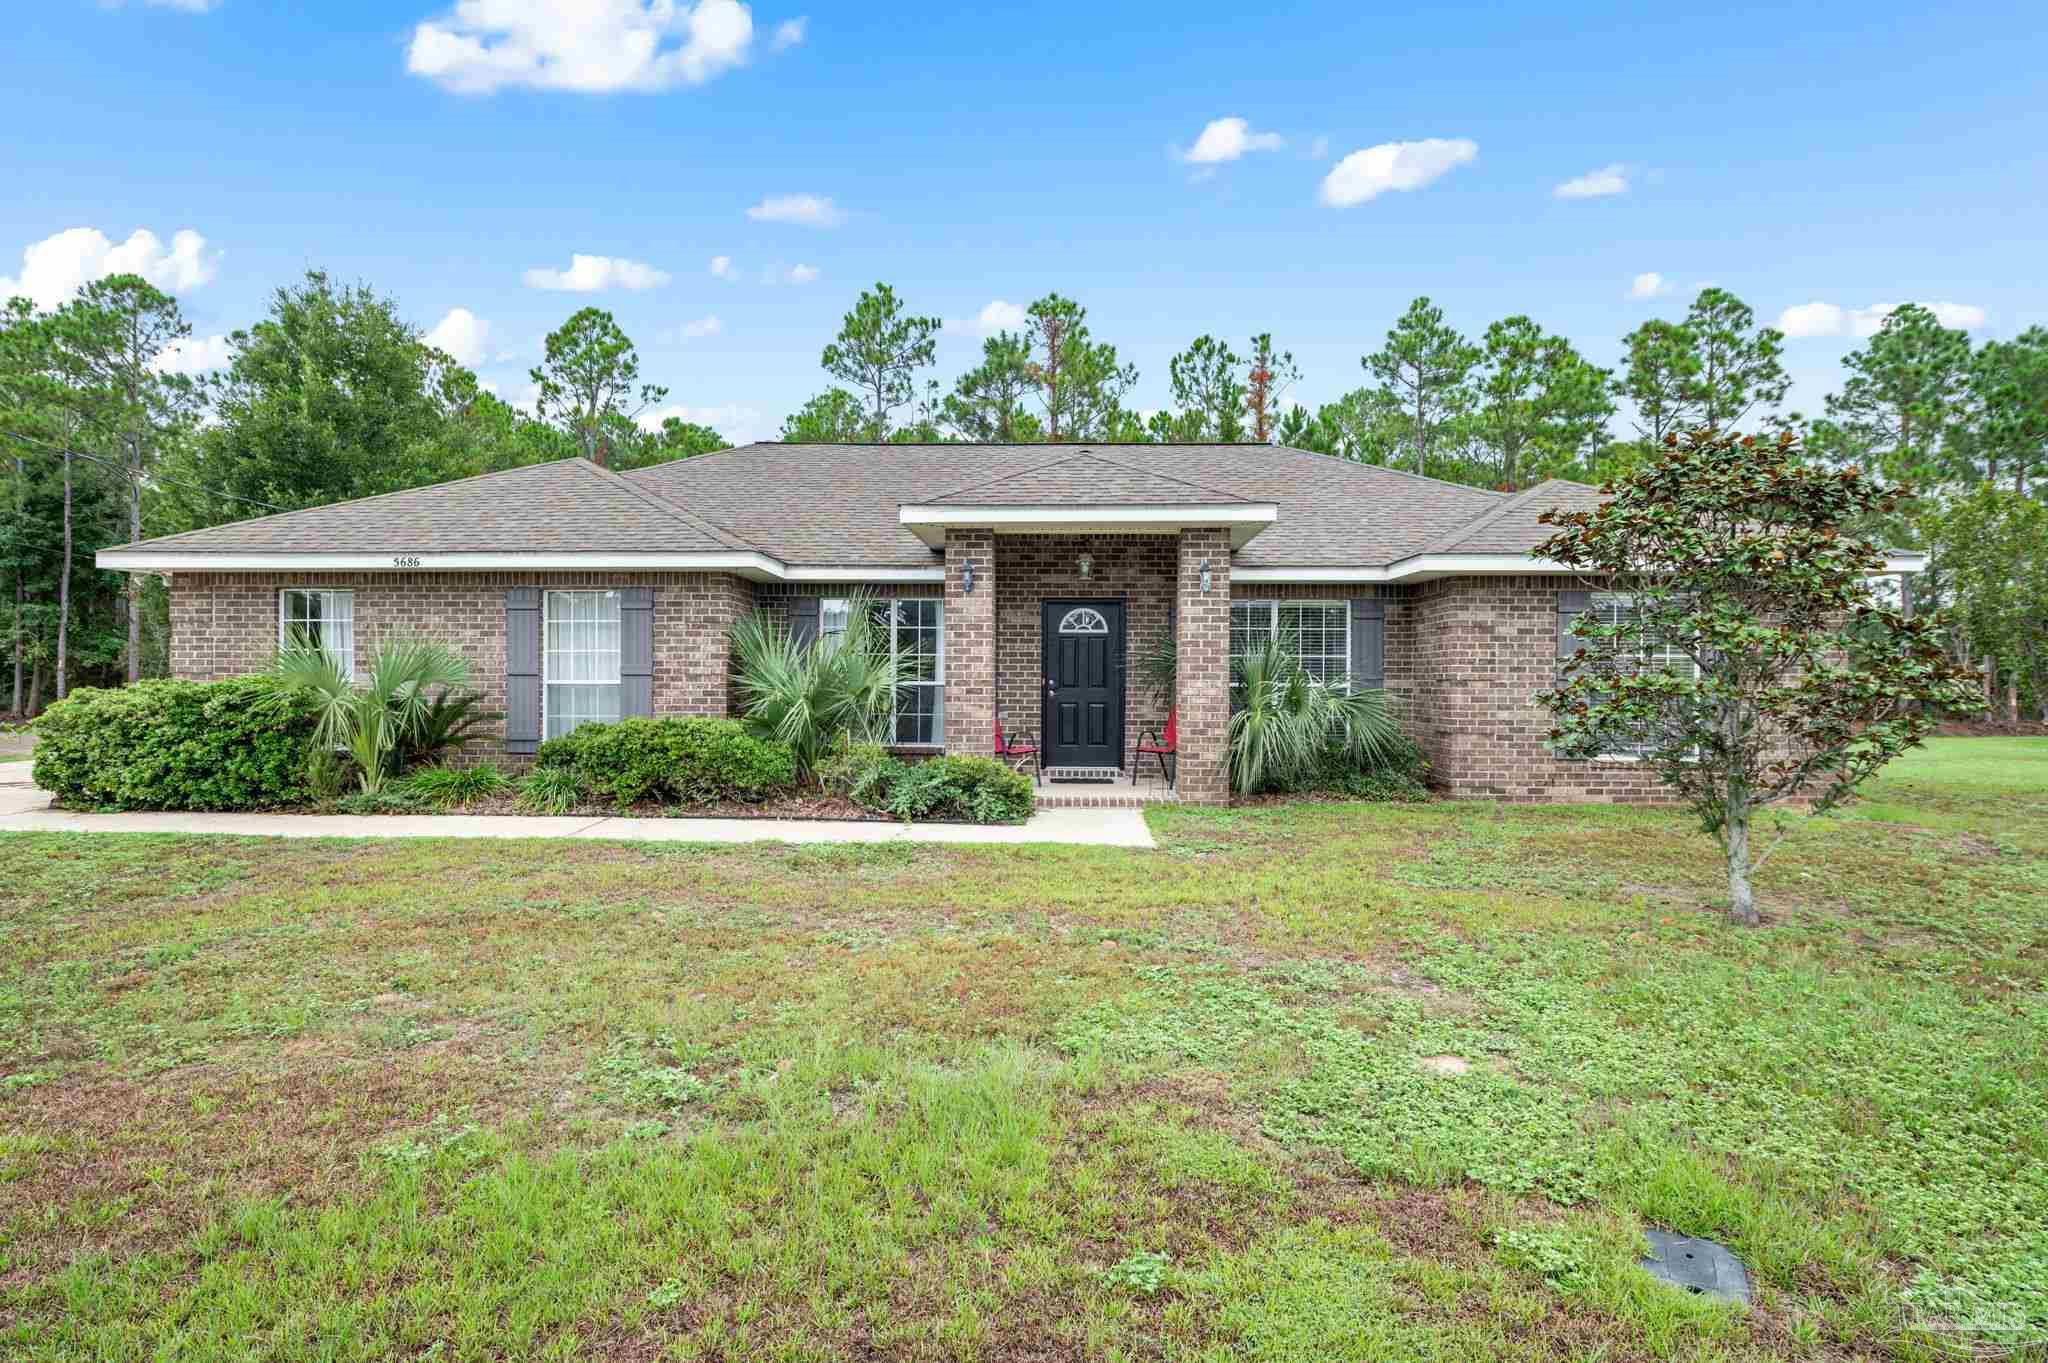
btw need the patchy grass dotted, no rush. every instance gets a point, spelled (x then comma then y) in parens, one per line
(276, 1100)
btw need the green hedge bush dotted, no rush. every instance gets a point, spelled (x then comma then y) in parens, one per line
(969, 789)
(679, 761)
(222, 745)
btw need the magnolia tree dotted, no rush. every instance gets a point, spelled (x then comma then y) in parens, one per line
(1738, 647)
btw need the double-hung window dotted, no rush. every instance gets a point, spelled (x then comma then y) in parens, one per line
(1319, 631)
(913, 627)
(1616, 608)
(319, 618)
(580, 663)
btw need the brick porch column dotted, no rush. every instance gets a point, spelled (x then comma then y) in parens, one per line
(1202, 670)
(970, 644)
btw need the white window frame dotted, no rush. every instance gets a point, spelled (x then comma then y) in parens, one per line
(547, 682)
(1274, 606)
(1666, 655)
(334, 595)
(839, 606)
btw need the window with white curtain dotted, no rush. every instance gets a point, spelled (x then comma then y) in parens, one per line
(914, 629)
(319, 618)
(580, 660)
(1319, 630)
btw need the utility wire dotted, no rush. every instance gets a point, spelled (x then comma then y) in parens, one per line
(44, 447)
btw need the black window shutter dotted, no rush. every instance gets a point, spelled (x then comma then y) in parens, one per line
(803, 619)
(1570, 606)
(522, 669)
(636, 653)
(1368, 643)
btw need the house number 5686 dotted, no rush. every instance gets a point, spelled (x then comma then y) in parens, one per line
(405, 561)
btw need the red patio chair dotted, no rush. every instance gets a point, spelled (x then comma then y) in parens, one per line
(1153, 743)
(1011, 748)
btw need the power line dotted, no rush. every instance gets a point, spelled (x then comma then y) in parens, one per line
(44, 447)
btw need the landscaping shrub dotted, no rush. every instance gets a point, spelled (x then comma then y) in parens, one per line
(860, 772)
(551, 790)
(443, 786)
(222, 745)
(451, 722)
(1398, 773)
(684, 761)
(816, 694)
(974, 789)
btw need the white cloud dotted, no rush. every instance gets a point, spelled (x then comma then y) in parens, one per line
(1595, 184)
(808, 210)
(590, 274)
(1649, 284)
(1831, 319)
(463, 334)
(1226, 139)
(997, 315)
(735, 421)
(789, 33)
(1393, 166)
(722, 267)
(194, 355)
(696, 330)
(59, 265)
(800, 274)
(591, 46)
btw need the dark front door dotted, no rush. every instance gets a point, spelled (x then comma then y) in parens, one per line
(1084, 683)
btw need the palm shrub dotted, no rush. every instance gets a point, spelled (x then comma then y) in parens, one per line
(451, 722)
(812, 695)
(372, 722)
(1288, 725)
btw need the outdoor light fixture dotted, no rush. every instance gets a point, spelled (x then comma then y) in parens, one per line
(1205, 575)
(1086, 564)
(967, 577)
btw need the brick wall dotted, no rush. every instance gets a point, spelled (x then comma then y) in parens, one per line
(1202, 674)
(226, 624)
(1465, 659)
(969, 622)
(1134, 569)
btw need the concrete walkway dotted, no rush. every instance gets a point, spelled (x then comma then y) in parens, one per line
(25, 809)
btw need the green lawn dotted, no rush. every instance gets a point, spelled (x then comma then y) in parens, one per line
(486, 1100)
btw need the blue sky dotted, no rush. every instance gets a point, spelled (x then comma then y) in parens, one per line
(1844, 155)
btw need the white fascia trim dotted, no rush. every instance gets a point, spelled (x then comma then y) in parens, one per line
(1472, 565)
(858, 574)
(754, 565)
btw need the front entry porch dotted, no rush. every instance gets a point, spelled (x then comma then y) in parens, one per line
(1047, 635)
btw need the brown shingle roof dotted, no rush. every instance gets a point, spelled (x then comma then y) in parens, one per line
(1083, 479)
(835, 505)
(1512, 527)
(568, 506)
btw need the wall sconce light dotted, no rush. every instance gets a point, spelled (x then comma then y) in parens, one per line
(1205, 575)
(967, 577)
(1087, 565)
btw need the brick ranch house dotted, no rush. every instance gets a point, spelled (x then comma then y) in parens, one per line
(1025, 581)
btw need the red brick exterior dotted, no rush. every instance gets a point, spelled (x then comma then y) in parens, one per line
(1466, 657)
(226, 624)
(1202, 666)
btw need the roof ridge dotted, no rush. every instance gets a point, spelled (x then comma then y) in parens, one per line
(1389, 468)
(352, 501)
(1510, 502)
(676, 509)
(1008, 474)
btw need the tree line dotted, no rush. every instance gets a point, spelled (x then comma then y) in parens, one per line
(333, 395)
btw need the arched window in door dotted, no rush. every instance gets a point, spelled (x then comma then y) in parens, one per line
(1083, 620)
